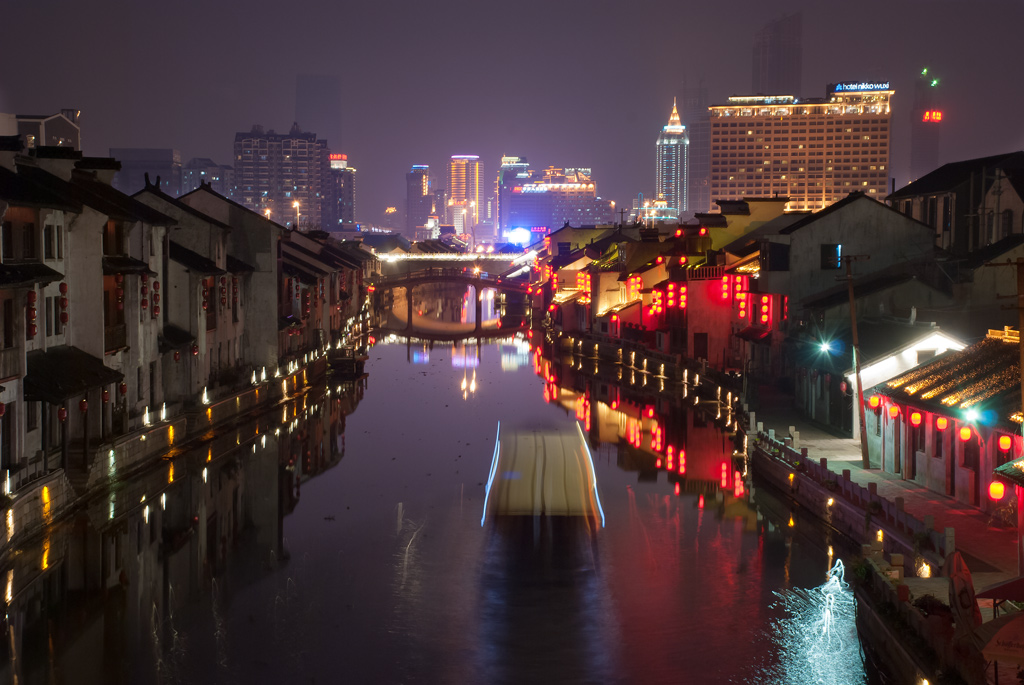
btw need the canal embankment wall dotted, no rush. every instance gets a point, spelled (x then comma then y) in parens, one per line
(57, 494)
(913, 646)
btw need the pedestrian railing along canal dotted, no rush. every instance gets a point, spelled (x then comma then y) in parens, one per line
(884, 513)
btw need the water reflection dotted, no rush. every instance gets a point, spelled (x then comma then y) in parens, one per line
(96, 599)
(317, 543)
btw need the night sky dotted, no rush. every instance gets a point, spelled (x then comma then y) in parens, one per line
(584, 83)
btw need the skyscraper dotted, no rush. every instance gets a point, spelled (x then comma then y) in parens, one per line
(778, 57)
(697, 119)
(339, 196)
(465, 191)
(419, 201)
(814, 151)
(513, 170)
(318, 105)
(204, 170)
(551, 198)
(671, 172)
(282, 173)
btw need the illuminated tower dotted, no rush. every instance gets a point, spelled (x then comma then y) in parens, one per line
(465, 191)
(925, 123)
(513, 170)
(419, 201)
(671, 172)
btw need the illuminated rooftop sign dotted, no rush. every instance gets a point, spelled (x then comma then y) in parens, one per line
(339, 157)
(545, 187)
(932, 115)
(861, 86)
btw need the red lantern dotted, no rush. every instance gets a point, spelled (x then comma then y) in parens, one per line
(223, 280)
(144, 303)
(63, 317)
(842, 387)
(1005, 442)
(965, 433)
(195, 350)
(63, 288)
(119, 279)
(123, 388)
(63, 303)
(894, 411)
(156, 285)
(874, 401)
(105, 395)
(996, 490)
(31, 313)
(145, 290)
(156, 298)
(177, 356)
(83, 405)
(145, 278)
(62, 414)
(156, 311)
(915, 419)
(32, 329)
(32, 296)
(223, 301)
(119, 292)
(205, 305)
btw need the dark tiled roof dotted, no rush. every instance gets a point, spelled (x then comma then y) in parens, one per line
(84, 189)
(205, 188)
(27, 274)
(986, 254)
(22, 191)
(237, 266)
(120, 264)
(96, 163)
(193, 261)
(178, 204)
(855, 196)
(948, 176)
(63, 372)
(984, 377)
(750, 242)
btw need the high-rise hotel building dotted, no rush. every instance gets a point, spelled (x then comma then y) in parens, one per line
(465, 191)
(672, 179)
(813, 151)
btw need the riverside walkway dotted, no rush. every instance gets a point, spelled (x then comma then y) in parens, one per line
(990, 550)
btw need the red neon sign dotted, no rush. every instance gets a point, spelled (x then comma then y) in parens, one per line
(933, 115)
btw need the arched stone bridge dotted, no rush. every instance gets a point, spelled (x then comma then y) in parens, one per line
(456, 276)
(480, 280)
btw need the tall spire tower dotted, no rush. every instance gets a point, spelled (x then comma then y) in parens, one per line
(671, 170)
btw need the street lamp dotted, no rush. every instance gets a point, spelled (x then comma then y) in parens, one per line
(296, 206)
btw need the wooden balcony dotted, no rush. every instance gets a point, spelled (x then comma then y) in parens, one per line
(11, 365)
(115, 337)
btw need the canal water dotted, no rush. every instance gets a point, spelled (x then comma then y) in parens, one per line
(344, 537)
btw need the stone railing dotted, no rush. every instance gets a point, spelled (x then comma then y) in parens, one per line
(888, 514)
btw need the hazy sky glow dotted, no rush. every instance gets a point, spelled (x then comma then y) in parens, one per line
(568, 83)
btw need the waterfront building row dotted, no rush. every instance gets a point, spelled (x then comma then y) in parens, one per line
(762, 295)
(125, 319)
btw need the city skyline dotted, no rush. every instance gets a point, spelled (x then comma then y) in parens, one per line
(242, 83)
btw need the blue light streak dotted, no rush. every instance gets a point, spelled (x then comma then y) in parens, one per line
(593, 473)
(494, 469)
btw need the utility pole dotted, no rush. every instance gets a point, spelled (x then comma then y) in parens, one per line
(848, 260)
(1020, 362)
